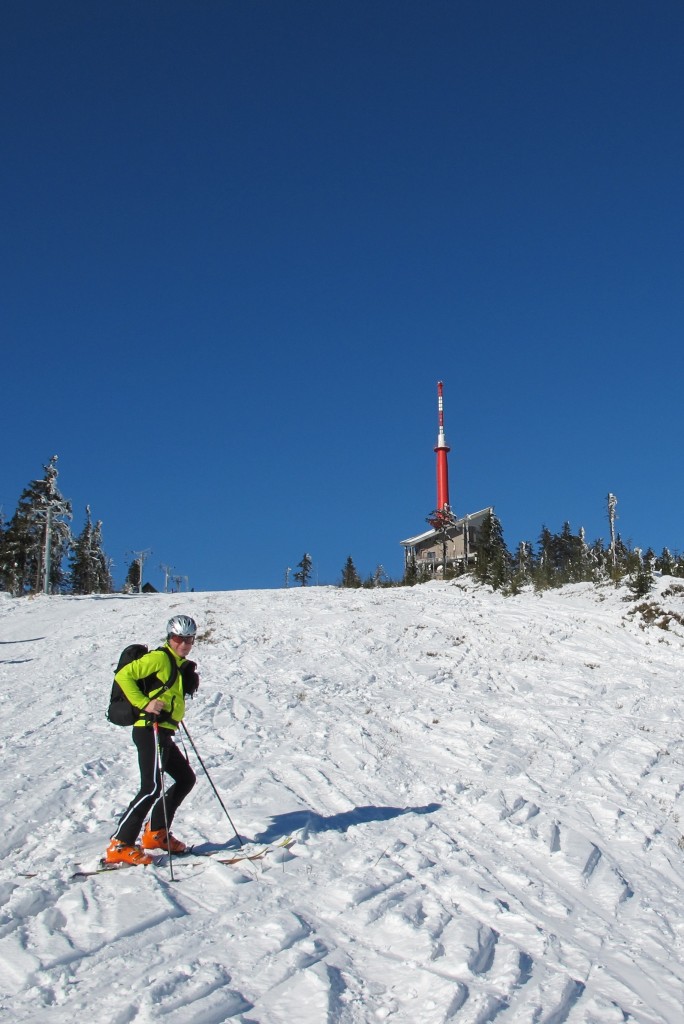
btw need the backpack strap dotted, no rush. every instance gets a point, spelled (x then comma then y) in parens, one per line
(174, 671)
(172, 679)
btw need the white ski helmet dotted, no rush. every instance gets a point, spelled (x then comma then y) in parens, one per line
(181, 625)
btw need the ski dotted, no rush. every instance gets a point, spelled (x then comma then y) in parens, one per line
(247, 852)
(284, 843)
(103, 869)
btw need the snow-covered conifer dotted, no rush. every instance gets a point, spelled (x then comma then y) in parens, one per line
(89, 566)
(493, 559)
(350, 577)
(37, 531)
(304, 570)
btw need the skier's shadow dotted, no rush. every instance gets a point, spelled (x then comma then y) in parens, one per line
(18, 661)
(30, 640)
(309, 821)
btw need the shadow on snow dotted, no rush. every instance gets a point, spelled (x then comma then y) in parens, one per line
(29, 640)
(309, 821)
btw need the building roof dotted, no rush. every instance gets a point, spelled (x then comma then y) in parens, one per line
(410, 541)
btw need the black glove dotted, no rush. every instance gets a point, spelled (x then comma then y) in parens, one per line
(188, 671)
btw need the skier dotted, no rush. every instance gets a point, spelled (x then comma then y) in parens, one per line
(153, 733)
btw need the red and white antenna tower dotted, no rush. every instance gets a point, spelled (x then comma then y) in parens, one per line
(442, 448)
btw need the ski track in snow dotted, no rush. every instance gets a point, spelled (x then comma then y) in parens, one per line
(486, 794)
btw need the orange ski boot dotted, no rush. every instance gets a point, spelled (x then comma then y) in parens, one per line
(121, 853)
(162, 840)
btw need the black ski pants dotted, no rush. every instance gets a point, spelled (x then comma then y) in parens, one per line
(175, 764)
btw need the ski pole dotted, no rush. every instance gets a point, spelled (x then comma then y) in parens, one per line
(216, 792)
(163, 797)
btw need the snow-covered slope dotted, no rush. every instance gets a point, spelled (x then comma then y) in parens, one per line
(486, 793)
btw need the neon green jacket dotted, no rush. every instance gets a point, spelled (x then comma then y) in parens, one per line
(155, 663)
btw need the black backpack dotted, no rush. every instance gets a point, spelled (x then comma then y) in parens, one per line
(120, 710)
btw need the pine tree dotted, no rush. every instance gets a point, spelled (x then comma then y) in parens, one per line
(522, 568)
(493, 560)
(350, 577)
(543, 572)
(105, 582)
(133, 577)
(38, 531)
(628, 560)
(641, 576)
(612, 516)
(4, 554)
(379, 577)
(305, 568)
(442, 521)
(590, 570)
(89, 567)
(564, 557)
(573, 556)
(600, 559)
(410, 572)
(82, 576)
(666, 564)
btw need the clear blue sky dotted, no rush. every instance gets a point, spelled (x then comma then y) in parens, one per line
(243, 240)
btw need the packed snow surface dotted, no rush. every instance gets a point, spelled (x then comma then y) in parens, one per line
(486, 794)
